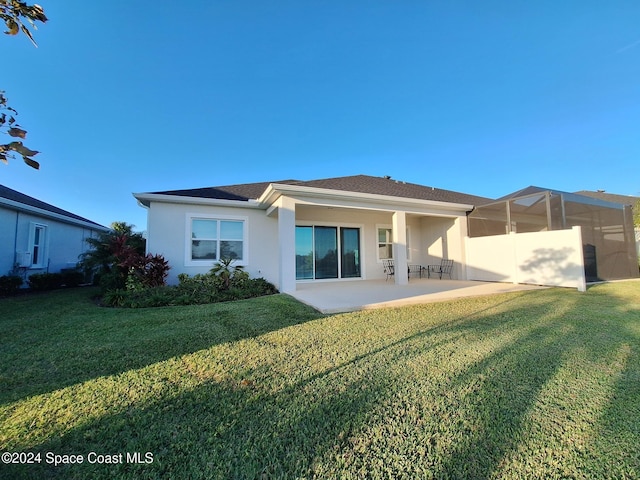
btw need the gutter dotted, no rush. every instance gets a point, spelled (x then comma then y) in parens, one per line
(21, 207)
(145, 199)
(275, 190)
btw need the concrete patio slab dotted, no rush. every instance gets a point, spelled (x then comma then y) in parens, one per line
(337, 297)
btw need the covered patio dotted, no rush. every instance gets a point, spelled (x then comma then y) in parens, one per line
(337, 297)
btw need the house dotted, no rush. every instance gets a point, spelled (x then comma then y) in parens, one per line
(291, 230)
(334, 229)
(36, 237)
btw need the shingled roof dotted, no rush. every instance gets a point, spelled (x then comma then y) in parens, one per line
(356, 183)
(20, 198)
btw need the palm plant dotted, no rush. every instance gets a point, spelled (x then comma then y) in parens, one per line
(225, 271)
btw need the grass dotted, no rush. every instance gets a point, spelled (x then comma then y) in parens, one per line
(539, 384)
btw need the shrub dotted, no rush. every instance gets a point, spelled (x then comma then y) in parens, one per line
(148, 270)
(109, 250)
(72, 278)
(199, 289)
(9, 284)
(227, 273)
(45, 281)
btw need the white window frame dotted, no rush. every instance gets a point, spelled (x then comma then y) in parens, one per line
(378, 228)
(43, 245)
(389, 227)
(363, 256)
(190, 262)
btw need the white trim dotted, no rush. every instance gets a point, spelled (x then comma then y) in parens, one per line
(338, 225)
(145, 200)
(275, 190)
(43, 246)
(189, 216)
(386, 226)
(390, 227)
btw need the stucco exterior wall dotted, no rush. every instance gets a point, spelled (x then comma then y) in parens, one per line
(551, 258)
(444, 239)
(7, 239)
(167, 236)
(168, 225)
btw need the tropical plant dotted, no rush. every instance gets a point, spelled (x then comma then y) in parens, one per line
(145, 270)
(110, 250)
(226, 272)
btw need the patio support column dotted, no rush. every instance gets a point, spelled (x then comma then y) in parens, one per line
(287, 244)
(399, 228)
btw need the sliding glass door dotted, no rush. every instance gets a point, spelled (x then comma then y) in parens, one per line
(327, 252)
(350, 252)
(304, 253)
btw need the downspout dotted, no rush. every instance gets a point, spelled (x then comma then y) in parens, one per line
(465, 246)
(469, 223)
(15, 241)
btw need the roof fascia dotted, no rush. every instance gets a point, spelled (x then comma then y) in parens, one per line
(145, 200)
(276, 190)
(22, 207)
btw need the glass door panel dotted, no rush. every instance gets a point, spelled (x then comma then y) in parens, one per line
(350, 248)
(326, 250)
(304, 253)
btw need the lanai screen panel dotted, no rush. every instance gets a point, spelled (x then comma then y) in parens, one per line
(605, 234)
(488, 220)
(607, 228)
(529, 214)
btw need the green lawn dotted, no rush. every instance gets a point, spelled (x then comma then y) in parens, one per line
(538, 384)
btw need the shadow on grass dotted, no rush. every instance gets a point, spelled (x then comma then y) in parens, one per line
(508, 384)
(310, 428)
(61, 338)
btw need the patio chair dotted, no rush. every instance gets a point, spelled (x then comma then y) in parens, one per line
(445, 268)
(389, 268)
(415, 269)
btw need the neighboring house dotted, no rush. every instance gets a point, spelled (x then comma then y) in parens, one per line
(335, 229)
(36, 237)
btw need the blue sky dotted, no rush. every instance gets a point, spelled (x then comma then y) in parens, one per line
(484, 97)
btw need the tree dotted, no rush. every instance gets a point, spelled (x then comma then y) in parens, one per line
(16, 15)
(111, 251)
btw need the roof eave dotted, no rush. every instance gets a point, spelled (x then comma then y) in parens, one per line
(49, 214)
(275, 190)
(145, 200)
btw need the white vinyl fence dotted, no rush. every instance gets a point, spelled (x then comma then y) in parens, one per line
(551, 258)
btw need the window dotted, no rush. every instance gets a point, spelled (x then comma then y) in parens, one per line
(385, 243)
(212, 239)
(38, 245)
